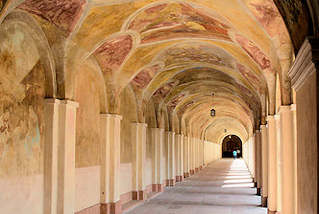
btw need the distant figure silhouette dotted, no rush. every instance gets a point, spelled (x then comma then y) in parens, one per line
(235, 154)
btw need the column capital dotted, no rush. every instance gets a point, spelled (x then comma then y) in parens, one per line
(120, 117)
(52, 101)
(305, 63)
(257, 131)
(170, 132)
(140, 124)
(70, 103)
(293, 107)
(263, 126)
(277, 116)
(284, 109)
(270, 117)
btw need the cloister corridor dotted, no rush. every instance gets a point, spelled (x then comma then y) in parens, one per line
(131, 106)
(225, 186)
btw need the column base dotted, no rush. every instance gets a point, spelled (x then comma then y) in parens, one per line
(271, 212)
(139, 195)
(172, 182)
(157, 187)
(264, 201)
(192, 172)
(94, 210)
(179, 178)
(259, 191)
(186, 174)
(200, 167)
(111, 208)
(196, 170)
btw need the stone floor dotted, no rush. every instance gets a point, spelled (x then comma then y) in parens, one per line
(224, 187)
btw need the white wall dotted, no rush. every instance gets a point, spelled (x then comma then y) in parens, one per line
(212, 152)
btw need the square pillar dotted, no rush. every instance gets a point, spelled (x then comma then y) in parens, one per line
(179, 157)
(278, 162)
(170, 159)
(288, 158)
(192, 156)
(258, 161)
(157, 136)
(264, 147)
(138, 160)
(272, 165)
(59, 162)
(110, 163)
(186, 156)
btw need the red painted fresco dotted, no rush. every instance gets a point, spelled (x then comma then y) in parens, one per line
(64, 14)
(164, 90)
(249, 75)
(168, 21)
(113, 52)
(253, 51)
(145, 76)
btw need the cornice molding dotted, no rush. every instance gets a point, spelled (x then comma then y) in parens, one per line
(306, 63)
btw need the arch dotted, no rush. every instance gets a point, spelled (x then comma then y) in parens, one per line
(232, 143)
(32, 27)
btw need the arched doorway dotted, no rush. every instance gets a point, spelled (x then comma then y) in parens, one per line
(231, 143)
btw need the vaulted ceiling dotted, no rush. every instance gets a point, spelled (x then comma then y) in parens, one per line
(185, 56)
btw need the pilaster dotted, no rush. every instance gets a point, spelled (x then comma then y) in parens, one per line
(179, 169)
(287, 173)
(157, 135)
(186, 156)
(59, 172)
(110, 125)
(138, 160)
(272, 165)
(170, 159)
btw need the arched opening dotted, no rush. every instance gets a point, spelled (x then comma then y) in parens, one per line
(231, 143)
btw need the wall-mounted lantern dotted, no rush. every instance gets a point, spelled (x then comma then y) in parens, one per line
(213, 113)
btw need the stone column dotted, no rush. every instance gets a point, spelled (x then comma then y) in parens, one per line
(170, 159)
(287, 173)
(110, 163)
(264, 147)
(179, 170)
(272, 165)
(186, 163)
(59, 162)
(196, 143)
(258, 161)
(278, 163)
(192, 156)
(157, 151)
(201, 155)
(138, 159)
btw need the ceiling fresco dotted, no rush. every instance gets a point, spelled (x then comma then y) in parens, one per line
(184, 56)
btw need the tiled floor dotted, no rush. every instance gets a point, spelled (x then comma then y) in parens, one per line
(224, 187)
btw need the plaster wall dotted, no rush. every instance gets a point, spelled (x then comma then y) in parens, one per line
(125, 178)
(87, 187)
(87, 148)
(22, 92)
(27, 192)
(212, 152)
(307, 146)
